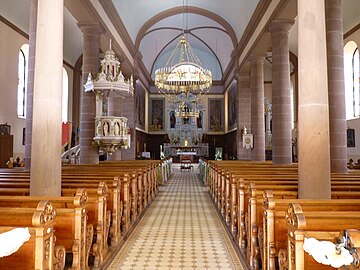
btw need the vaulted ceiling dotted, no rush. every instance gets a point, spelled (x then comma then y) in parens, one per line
(149, 30)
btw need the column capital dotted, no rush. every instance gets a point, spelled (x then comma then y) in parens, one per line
(241, 75)
(280, 25)
(90, 28)
(254, 58)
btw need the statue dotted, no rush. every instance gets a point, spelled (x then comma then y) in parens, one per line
(106, 129)
(117, 129)
(199, 120)
(172, 120)
(245, 130)
(98, 128)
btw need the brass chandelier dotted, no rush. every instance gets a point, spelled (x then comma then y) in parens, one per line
(183, 71)
(185, 76)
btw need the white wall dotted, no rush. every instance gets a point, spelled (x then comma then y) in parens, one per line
(10, 44)
(354, 152)
(9, 53)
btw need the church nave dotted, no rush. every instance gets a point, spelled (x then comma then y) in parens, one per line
(180, 230)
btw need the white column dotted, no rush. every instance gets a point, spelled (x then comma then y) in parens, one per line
(46, 131)
(313, 129)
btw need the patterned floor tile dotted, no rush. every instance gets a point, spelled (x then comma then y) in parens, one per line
(180, 230)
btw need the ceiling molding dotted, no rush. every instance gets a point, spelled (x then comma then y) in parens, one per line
(115, 19)
(210, 27)
(119, 50)
(146, 76)
(212, 51)
(195, 36)
(178, 10)
(14, 27)
(160, 52)
(253, 23)
(352, 31)
(162, 28)
(25, 35)
(231, 66)
(259, 42)
(138, 65)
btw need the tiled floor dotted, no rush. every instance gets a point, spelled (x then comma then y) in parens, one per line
(180, 230)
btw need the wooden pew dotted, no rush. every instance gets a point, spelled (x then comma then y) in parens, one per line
(253, 212)
(249, 215)
(98, 216)
(274, 222)
(69, 186)
(40, 251)
(118, 203)
(72, 230)
(302, 224)
(246, 208)
(130, 190)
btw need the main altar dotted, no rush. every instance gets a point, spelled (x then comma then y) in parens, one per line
(186, 132)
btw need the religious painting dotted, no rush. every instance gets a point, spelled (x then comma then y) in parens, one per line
(216, 115)
(157, 114)
(350, 137)
(140, 105)
(232, 106)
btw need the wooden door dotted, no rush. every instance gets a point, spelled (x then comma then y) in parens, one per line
(6, 149)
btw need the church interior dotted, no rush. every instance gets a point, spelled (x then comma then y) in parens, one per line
(183, 134)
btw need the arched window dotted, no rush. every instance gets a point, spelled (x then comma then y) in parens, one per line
(355, 82)
(351, 76)
(65, 97)
(22, 80)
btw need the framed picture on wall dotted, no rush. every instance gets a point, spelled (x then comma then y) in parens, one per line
(232, 106)
(157, 114)
(140, 105)
(216, 114)
(350, 137)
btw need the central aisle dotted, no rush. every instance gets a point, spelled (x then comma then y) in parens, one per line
(180, 230)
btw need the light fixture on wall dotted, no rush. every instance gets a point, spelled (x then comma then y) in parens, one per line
(183, 71)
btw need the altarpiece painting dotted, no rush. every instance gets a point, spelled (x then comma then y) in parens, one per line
(157, 114)
(232, 106)
(140, 105)
(216, 114)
